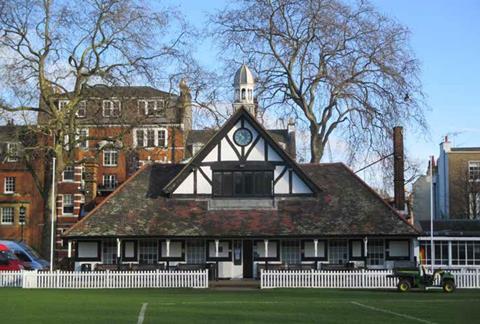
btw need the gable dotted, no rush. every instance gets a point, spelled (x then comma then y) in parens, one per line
(242, 145)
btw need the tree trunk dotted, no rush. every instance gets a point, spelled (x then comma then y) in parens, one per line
(316, 146)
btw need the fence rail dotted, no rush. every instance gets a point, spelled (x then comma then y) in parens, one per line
(105, 279)
(350, 279)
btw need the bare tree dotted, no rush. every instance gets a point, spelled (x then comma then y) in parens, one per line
(344, 69)
(465, 193)
(54, 49)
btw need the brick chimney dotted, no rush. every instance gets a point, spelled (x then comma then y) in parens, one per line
(398, 168)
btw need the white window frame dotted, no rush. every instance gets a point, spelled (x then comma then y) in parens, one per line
(2, 214)
(63, 203)
(11, 158)
(82, 106)
(110, 151)
(62, 103)
(145, 130)
(470, 166)
(158, 108)
(111, 178)
(6, 184)
(63, 174)
(112, 110)
(79, 138)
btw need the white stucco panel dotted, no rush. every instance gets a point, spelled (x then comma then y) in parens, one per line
(273, 155)
(203, 187)
(258, 152)
(298, 186)
(186, 187)
(228, 154)
(212, 156)
(282, 185)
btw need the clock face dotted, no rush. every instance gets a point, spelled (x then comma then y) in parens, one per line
(242, 136)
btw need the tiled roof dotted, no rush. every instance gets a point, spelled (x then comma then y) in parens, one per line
(101, 91)
(347, 206)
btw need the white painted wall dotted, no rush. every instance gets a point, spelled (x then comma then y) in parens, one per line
(212, 156)
(272, 155)
(282, 186)
(298, 186)
(186, 187)
(258, 152)
(203, 187)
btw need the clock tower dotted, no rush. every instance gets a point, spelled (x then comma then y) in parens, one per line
(244, 85)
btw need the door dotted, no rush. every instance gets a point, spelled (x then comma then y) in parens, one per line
(247, 259)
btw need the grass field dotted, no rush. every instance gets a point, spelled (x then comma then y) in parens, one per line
(208, 306)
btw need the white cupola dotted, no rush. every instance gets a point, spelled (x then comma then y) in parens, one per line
(244, 85)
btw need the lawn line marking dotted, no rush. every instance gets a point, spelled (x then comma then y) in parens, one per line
(392, 313)
(141, 315)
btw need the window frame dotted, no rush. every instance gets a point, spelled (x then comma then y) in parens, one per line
(255, 175)
(158, 109)
(9, 151)
(110, 152)
(111, 178)
(158, 141)
(73, 174)
(72, 205)
(83, 144)
(2, 209)
(111, 109)
(6, 184)
(474, 176)
(81, 106)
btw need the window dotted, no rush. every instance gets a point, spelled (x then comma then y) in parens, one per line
(148, 252)
(338, 252)
(140, 139)
(161, 138)
(81, 109)
(109, 181)
(152, 107)
(69, 173)
(9, 185)
(7, 215)
(12, 152)
(291, 252)
(474, 205)
(62, 104)
(110, 158)
(195, 252)
(474, 170)
(244, 96)
(109, 252)
(375, 252)
(67, 204)
(111, 108)
(83, 138)
(242, 183)
(22, 215)
(150, 137)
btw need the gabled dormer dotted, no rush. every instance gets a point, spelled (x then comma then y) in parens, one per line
(241, 161)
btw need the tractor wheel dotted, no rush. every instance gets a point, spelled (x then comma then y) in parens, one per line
(448, 286)
(404, 285)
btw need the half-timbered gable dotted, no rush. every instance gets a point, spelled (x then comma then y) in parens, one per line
(242, 160)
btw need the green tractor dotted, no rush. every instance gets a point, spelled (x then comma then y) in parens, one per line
(419, 278)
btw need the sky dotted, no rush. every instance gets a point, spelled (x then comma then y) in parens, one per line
(445, 36)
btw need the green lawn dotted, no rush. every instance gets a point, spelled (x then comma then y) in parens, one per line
(207, 306)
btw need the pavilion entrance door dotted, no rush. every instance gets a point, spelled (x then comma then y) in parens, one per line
(247, 259)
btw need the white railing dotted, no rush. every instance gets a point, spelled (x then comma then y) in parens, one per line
(105, 279)
(350, 279)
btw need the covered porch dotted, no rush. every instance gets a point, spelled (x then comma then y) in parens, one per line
(242, 257)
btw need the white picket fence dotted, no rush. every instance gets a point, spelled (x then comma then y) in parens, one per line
(105, 279)
(371, 279)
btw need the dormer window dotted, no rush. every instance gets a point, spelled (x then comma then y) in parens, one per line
(152, 107)
(111, 108)
(62, 104)
(242, 183)
(12, 152)
(82, 109)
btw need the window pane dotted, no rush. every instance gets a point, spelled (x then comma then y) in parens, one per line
(238, 183)
(150, 138)
(217, 183)
(248, 183)
(227, 184)
(140, 140)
